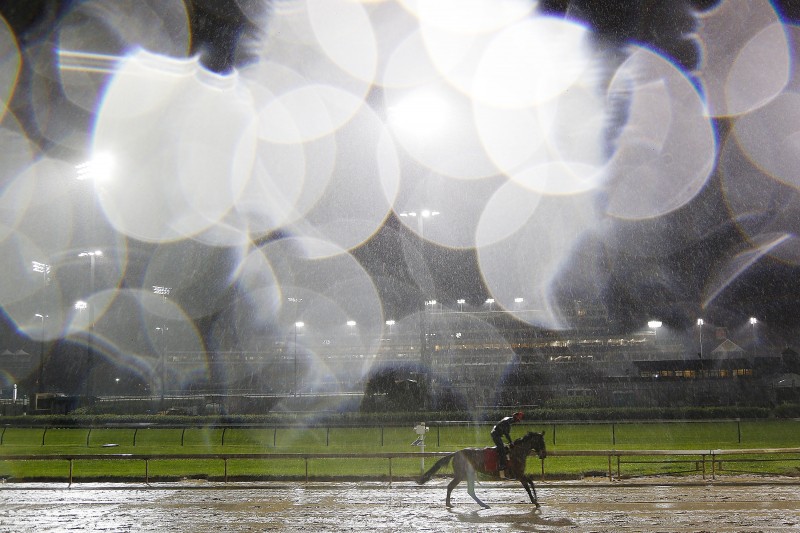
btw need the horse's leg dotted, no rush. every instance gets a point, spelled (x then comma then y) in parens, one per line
(450, 486)
(471, 487)
(523, 479)
(527, 482)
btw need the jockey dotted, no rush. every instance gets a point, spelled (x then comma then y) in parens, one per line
(503, 429)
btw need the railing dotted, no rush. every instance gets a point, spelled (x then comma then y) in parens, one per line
(732, 428)
(704, 460)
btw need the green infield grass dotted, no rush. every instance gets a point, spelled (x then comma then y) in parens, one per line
(700, 436)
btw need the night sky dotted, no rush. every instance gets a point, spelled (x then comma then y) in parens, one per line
(635, 270)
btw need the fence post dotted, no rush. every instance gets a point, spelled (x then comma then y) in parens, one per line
(183, 432)
(43, 434)
(135, 431)
(614, 433)
(381, 435)
(2, 435)
(223, 434)
(327, 436)
(739, 429)
(437, 436)
(554, 434)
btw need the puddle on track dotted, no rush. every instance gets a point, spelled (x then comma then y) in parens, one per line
(241, 507)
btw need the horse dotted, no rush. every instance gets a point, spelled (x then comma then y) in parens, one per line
(468, 461)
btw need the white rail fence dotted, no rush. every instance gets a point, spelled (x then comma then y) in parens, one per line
(708, 463)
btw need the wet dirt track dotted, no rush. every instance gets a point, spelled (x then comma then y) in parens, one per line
(241, 507)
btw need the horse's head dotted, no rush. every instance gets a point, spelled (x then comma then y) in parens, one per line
(533, 442)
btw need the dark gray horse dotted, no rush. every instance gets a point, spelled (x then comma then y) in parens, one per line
(468, 461)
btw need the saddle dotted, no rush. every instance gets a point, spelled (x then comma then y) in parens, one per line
(491, 459)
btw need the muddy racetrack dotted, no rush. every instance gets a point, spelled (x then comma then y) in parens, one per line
(588, 505)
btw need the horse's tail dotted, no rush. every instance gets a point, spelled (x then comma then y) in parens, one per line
(435, 468)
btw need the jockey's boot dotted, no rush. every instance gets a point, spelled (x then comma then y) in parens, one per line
(501, 470)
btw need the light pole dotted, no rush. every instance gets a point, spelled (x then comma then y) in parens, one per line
(700, 328)
(655, 324)
(423, 343)
(753, 322)
(89, 348)
(41, 353)
(163, 292)
(44, 270)
(297, 325)
(461, 302)
(163, 358)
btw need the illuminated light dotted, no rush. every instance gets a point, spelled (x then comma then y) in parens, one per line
(700, 322)
(422, 113)
(654, 324)
(518, 300)
(435, 125)
(299, 324)
(390, 322)
(98, 168)
(753, 320)
(351, 323)
(96, 253)
(747, 59)
(161, 291)
(80, 305)
(42, 268)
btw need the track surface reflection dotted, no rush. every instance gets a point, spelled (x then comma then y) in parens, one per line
(566, 506)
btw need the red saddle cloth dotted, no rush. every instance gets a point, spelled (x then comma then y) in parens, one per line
(490, 459)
